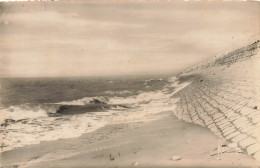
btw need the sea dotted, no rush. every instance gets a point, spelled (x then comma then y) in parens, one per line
(34, 110)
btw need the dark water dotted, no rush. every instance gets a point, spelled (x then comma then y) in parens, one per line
(18, 91)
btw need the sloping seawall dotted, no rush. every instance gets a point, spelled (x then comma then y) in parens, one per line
(224, 96)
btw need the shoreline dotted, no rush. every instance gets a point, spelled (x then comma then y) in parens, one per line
(143, 144)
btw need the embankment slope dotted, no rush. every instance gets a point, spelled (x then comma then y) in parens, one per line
(224, 96)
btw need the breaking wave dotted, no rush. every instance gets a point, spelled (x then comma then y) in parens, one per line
(85, 100)
(20, 112)
(31, 111)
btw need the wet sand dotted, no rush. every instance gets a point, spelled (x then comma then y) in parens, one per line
(138, 144)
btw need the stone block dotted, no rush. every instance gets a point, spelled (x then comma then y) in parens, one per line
(218, 115)
(222, 122)
(239, 137)
(253, 149)
(228, 128)
(246, 111)
(226, 133)
(243, 124)
(246, 142)
(256, 134)
(247, 129)
(232, 135)
(252, 131)
(234, 118)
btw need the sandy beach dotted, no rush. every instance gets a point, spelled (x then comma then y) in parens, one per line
(143, 144)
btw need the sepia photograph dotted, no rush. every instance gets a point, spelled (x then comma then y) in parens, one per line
(129, 83)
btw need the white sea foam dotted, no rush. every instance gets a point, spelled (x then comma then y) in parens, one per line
(85, 100)
(21, 112)
(176, 85)
(48, 128)
(173, 79)
(180, 87)
(117, 92)
(137, 99)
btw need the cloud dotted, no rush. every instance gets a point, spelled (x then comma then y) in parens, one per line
(77, 39)
(53, 18)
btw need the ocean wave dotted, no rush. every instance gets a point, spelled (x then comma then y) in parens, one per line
(85, 100)
(30, 111)
(33, 131)
(22, 112)
(152, 81)
(141, 98)
(32, 124)
(116, 100)
(123, 92)
(89, 104)
(172, 79)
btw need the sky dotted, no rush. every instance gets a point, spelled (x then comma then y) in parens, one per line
(99, 38)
